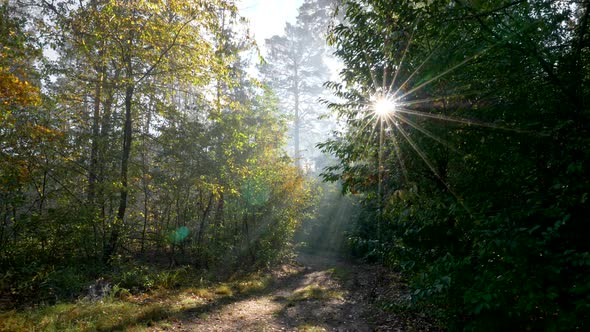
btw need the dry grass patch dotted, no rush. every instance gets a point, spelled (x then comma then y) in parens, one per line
(316, 292)
(310, 328)
(132, 313)
(203, 293)
(110, 316)
(256, 284)
(125, 311)
(224, 290)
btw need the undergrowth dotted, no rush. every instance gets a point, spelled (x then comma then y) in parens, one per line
(136, 299)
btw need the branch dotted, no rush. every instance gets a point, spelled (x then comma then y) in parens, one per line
(489, 12)
(545, 66)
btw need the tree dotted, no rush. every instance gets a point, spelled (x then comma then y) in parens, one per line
(140, 41)
(140, 134)
(319, 16)
(294, 68)
(476, 155)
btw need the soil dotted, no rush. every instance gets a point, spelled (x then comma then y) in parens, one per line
(317, 293)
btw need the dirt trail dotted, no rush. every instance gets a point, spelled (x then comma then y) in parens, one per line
(322, 294)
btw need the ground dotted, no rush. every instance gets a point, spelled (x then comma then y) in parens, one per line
(318, 293)
(314, 292)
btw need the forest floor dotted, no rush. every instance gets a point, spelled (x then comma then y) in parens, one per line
(318, 293)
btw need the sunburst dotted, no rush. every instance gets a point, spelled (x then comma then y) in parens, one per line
(384, 106)
(389, 106)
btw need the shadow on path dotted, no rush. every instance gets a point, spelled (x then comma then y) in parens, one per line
(312, 299)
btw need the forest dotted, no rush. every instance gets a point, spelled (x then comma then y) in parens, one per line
(408, 165)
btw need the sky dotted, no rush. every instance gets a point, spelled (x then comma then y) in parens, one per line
(268, 17)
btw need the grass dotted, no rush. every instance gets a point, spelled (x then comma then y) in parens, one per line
(256, 284)
(204, 293)
(126, 311)
(315, 292)
(111, 316)
(224, 290)
(310, 328)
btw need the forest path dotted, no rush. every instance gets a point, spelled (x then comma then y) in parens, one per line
(322, 293)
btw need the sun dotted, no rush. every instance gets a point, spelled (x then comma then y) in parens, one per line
(384, 106)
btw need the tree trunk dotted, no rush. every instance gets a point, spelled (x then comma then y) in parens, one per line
(105, 130)
(297, 123)
(145, 169)
(219, 213)
(93, 170)
(127, 138)
(203, 223)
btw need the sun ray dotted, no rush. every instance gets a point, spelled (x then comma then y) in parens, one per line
(420, 153)
(415, 72)
(370, 138)
(468, 122)
(463, 62)
(371, 119)
(438, 43)
(385, 110)
(401, 61)
(434, 99)
(433, 170)
(398, 155)
(373, 77)
(427, 133)
(365, 125)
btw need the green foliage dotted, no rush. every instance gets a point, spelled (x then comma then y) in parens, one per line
(485, 164)
(149, 146)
